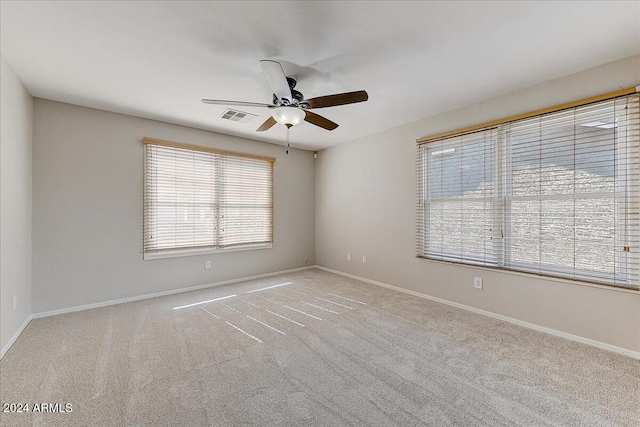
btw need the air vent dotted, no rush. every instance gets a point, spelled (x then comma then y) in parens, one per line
(237, 116)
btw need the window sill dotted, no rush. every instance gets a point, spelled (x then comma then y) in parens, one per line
(575, 282)
(194, 252)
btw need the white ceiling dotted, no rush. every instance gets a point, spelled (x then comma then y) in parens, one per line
(415, 59)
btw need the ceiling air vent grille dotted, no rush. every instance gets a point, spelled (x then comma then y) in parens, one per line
(237, 116)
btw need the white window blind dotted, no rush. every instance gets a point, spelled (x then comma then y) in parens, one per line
(555, 194)
(458, 186)
(196, 198)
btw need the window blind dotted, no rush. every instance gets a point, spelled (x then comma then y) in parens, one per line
(196, 198)
(458, 199)
(555, 194)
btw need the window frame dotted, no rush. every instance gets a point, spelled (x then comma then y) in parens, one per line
(502, 213)
(219, 185)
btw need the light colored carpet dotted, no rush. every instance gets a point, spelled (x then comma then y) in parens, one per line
(320, 350)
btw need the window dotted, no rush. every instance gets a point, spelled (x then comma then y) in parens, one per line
(198, 199)
(553, 194)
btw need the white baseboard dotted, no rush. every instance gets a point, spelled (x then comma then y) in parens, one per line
(163, 293)
(15, 336)
(598, 344)
(577, 338)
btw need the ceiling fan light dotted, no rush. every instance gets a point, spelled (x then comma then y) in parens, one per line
(288, 116)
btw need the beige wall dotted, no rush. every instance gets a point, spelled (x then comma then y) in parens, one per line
(87, 210)
(365, 205)
(16, 115)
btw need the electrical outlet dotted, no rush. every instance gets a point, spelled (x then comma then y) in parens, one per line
(349, 257)
(207, 265)
(477, 282)
(364, 259)
(14, 301)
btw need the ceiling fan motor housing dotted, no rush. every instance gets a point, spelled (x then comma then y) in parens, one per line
(295, 95)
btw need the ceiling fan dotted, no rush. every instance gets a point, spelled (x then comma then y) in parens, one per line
(289, 106)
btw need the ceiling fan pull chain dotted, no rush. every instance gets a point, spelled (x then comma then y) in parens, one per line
(288, 145)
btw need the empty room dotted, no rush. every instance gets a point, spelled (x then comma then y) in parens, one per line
(362, 213)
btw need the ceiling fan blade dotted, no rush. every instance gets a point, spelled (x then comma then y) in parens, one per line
(318, 120)
(277, 80)
(337, 99)
(267, 124)
(237, 103)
